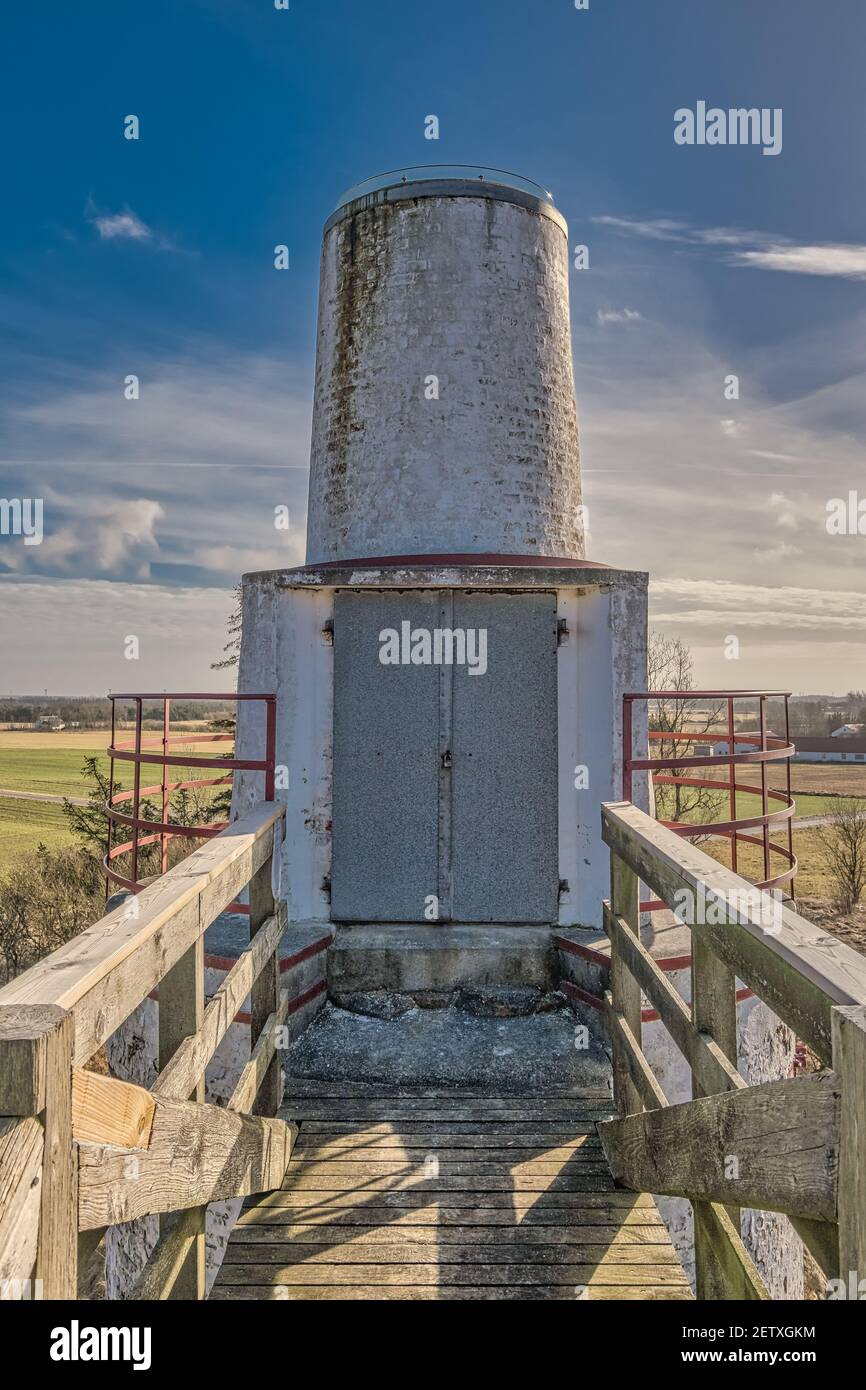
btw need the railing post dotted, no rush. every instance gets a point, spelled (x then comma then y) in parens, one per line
(625, 990)
(849, 1064)
(181, 1009)
(36, 1081)
(714, 1011)
(265, 993)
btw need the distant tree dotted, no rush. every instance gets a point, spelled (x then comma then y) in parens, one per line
(222, 799)
(187, 806)
(669, 667)
(843, 840)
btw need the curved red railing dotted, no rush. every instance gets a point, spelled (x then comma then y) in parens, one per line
(139, 752)
(675, 771)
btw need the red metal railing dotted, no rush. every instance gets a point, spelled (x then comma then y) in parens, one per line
(675, 770)
(148, 831)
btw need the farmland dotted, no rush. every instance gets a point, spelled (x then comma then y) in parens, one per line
(814, 879)
(51, 764)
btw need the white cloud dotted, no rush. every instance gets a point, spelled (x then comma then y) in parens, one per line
(617, 316)
(757, 250)
(125, 225)
(112, 537)
(121, 226)
(179, 485)
(784, 511)
(735, 605)
(69, 636)
(780, 551)
(848, 262)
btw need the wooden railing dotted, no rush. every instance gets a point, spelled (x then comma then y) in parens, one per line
(794, 1146)
(81, 1151)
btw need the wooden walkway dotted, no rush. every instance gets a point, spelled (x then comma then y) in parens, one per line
(448, 1195)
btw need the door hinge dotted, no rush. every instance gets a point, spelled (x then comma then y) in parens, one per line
(328, 632)
(561, 632)
(447, 760)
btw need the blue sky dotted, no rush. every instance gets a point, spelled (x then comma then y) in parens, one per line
(155, 257)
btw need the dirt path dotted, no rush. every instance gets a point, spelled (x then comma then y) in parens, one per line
(44, 796)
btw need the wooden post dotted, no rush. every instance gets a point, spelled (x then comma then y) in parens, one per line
(181, 1009)
(265, 993)
(714, 1011)
(849, 1064)
(625, 990)
(36, 1044)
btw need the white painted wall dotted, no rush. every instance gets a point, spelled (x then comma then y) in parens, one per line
(284, 651)
(605, 657)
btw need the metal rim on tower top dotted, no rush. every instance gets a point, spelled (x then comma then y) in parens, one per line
(424, 173)
(452, 181)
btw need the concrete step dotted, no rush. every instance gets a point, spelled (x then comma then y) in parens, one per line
(432, 963)
(539, 1055)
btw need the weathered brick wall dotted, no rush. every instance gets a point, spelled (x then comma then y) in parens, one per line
(473, 291)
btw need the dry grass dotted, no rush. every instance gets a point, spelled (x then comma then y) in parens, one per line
(84, 740)
(819, 778)
(814, 879)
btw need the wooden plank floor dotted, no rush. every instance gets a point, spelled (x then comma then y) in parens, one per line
(448, 1195)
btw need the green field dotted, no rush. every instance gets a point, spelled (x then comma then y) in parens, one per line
(53, 770)
(23, 824)
(748, 805)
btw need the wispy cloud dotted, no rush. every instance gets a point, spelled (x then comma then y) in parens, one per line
(755, 250)
(181, 484)
(604, 316)
(848, 262)
(697, 601)
(125, 225)
(71, 636)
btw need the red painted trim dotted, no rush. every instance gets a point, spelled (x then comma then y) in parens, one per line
(294, 1004)
(594, 1001)
(651, 1016)
(484, 560)
(573, 948)
(672, 963)
(287, 963)
(579, 995)
(312, 993)
(306, 952)
(589, 953)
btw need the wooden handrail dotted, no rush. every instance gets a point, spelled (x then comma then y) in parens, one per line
(799, 1142)
(800, 971)
(95, 1150)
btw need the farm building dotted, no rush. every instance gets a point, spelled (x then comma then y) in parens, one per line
(832, 749)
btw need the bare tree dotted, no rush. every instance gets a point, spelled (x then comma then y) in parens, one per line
(669, 667)
(232, 648)
(843, 839)
(46, 898)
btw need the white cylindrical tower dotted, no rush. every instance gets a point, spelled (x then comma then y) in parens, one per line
(444, 418)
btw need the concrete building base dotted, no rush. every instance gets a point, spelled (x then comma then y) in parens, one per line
(430, 960)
